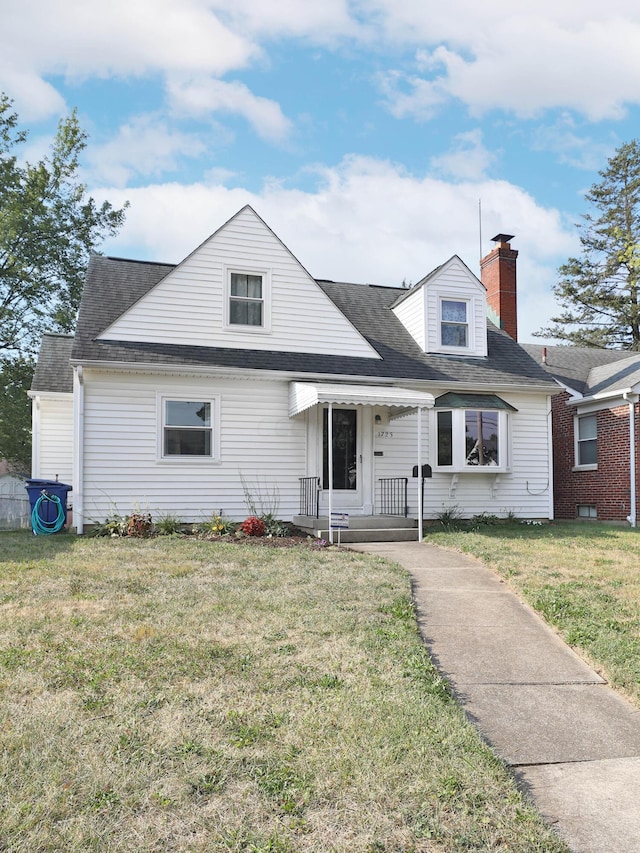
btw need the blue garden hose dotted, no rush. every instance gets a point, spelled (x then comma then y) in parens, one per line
(41, 527)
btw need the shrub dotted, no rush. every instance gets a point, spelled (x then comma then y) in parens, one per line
(139, 524)
(253, 526)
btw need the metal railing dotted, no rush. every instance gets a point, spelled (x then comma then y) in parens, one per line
(393, 496)
(309, 492)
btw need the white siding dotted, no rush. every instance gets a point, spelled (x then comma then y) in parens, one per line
(411, 313)
(55, 440)
(524, 490)
(258, 443)
(187, 307)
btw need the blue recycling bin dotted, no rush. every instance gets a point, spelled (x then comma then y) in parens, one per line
(48, 517)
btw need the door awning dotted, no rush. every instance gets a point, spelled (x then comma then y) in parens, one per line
(305, 395)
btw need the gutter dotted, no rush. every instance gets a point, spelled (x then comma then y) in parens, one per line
(525, 386)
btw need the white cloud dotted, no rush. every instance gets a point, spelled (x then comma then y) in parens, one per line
(467, 159)
(322, 23)
(144, 146)
(367, 221)
(81, 38)
(204, 96)
(536, 56)
(539, 54)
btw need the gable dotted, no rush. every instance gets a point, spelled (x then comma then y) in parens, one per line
(422, 311)
(190, 306)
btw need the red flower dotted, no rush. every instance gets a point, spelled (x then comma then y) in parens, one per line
(253, 526)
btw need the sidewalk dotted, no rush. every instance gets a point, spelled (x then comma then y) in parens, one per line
(573, 744)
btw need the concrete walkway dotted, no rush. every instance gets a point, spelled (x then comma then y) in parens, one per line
(573, 744)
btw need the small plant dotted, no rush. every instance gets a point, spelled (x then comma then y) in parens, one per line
(218, 525)
(450, 517)
(167, 525)
(114, 526)
(253, 526)
(139, 524)
(273, 527)
(484, 519)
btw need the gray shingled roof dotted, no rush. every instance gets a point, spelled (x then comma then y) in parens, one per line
(113, 285)
(53, 370)
(588, 370)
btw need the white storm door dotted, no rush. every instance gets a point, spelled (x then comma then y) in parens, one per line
(347, 457)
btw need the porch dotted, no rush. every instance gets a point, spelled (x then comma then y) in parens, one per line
(353, 459)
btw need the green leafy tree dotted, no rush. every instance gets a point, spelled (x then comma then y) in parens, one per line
(15, 413)
(49, 227)
(600, 290)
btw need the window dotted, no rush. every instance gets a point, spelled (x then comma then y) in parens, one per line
(187, 428)
(454, 326)
(246, 299)
(472, 439)
(587, 511)
(481, 438)
(587, 440)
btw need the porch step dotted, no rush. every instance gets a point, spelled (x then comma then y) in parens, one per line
(387, 534)
(362, 528)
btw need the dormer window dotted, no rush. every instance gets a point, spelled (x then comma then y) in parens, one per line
(248, 302)
(454, 323)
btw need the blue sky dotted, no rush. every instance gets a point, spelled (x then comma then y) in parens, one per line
(365, 133)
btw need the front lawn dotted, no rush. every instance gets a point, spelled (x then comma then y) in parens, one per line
(178, 695)
(583, 578)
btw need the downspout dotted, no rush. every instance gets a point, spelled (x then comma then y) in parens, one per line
(550, 461)
(419, 479)
(35, 435)
(632, 399)
(330, 464)
(78, 454)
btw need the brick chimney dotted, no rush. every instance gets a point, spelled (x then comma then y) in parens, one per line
(498, 274)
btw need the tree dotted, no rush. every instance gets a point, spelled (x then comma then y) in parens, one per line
(600, 291)
(48, 229)
(15, 413)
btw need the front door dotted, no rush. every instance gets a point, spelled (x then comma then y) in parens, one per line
(347, 458)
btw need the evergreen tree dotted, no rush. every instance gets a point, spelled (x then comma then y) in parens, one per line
(600, 290)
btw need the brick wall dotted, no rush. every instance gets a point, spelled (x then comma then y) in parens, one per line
(606, 488)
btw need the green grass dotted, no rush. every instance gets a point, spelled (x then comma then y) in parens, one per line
(174, 694)
(583, 578)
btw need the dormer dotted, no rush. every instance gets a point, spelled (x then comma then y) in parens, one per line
(446, 312)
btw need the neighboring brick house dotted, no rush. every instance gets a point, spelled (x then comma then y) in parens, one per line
(595, 450)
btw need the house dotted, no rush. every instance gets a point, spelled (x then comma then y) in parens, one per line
(595, 431)
(189, 387)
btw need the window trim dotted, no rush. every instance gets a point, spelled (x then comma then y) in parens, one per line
(265, 274)
(162, 398)
(468, 302)
(458, 456)
(577, 441)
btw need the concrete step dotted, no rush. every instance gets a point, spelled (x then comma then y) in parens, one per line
(386, 534)
(357, 522)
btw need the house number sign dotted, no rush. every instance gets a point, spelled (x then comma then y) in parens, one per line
(383, 433)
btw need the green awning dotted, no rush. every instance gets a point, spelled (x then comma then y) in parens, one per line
(453, 400)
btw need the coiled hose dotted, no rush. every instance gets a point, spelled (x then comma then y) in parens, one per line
(38, 524)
